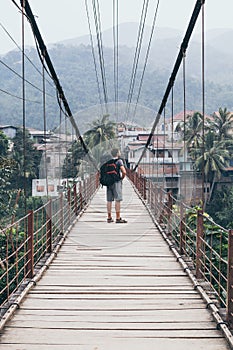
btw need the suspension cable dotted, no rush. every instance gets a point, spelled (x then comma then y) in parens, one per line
(48, 61)
(116, 53)
(183, 49)
(24, 110)
(28, 58)
(137, 54)
(93, 55)
(185, 121)
(203, 103)
(21, 76)
(45, 129)
(146, 58)
(172, 135)
(18, 97)
(96, 12)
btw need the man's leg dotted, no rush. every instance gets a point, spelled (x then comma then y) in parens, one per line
(109, 209)
(118, 209)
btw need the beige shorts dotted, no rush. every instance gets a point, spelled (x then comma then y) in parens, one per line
(114, 192)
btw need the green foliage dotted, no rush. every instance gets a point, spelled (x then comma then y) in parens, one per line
(10, 241)
(73, 160)
(26, 159)
(6, 194)
(99, 138)
(82, 90)
(3, 144)
(221, 207)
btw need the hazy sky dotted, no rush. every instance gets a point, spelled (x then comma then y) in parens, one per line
(65, 19)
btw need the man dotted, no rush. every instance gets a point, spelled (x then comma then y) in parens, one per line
(114, 192)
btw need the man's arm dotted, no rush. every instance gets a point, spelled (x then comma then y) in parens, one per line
(123, 171)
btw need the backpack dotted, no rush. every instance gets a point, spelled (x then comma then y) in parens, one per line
(109, 173)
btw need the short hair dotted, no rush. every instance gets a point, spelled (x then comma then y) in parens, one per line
(114, 152)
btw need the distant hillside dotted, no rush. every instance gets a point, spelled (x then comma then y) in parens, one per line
(73, 62)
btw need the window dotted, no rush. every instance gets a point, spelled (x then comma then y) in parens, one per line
(51, 188)
(40, 188)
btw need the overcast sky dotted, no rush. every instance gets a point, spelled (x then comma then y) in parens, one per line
(64, 19)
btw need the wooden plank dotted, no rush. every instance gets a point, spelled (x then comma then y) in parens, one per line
(124, 344)
(113, 286)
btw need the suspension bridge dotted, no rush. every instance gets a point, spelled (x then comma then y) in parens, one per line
(71, 280)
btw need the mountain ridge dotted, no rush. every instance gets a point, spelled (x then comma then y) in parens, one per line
(75, 69)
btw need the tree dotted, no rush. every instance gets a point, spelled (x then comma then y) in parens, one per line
(27, 160)
(213, 160)
(73, 160)
(6, 170)
(101, 130)
(192, 133)
(4, 144)
(6, 195)
(222, 124)
(221, 208)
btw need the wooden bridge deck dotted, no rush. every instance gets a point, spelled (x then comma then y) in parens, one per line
(113, 286)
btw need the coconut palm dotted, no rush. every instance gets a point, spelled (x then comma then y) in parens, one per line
(101, 130)
(213, 160)
(192, 134)
(191, 130)
(222, 124)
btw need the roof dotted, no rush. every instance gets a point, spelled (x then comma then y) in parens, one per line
(8, 126)
(180, 116)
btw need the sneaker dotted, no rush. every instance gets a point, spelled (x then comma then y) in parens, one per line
(109, 219)
(121, 221)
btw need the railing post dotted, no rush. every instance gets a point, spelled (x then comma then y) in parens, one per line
(97, 180)
(169, 212)
(81, 195)
(69, 202)
(61, 213)
(229, 313)
(49, 228)
(182, 229)
(30, 250)
(199, 243)
(144, 188)
(75, 200)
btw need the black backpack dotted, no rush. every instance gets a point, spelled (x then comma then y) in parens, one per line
(109, 173)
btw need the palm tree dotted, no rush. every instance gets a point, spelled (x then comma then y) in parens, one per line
(101, 131)
(191, 130)
(222, 124)
(192, 134)
(213, 160)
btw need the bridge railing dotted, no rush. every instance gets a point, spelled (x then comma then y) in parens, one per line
(205, 246)
(27, 243)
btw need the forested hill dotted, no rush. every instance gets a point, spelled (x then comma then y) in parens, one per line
(73, 62)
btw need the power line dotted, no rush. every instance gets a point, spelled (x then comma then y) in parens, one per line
(28, 58)
(21, 77)
(18, 97)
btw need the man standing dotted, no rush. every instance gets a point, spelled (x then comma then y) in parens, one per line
(114, 192)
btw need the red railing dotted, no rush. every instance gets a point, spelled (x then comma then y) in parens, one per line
(28, 243)
(205, 246)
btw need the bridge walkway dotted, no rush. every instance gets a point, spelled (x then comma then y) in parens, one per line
(113, 286)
